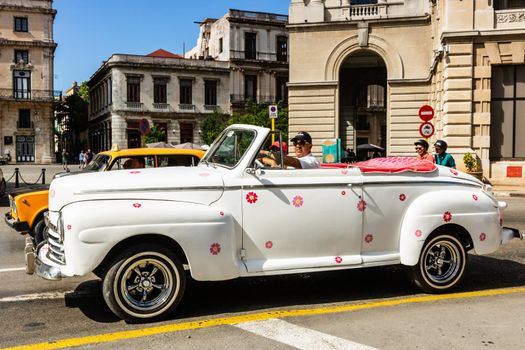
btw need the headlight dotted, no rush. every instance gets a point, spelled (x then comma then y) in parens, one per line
(12, 204)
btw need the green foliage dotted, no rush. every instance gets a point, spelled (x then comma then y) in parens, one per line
(257, 114)
(71, 118)
(212, 126)
(83, 91)
(156, 134)
(471, 163)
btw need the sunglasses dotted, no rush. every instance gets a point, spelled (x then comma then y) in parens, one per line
(299, 143)
(437, 148)
(419, 148)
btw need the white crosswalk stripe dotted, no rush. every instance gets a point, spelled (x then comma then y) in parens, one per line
(299, 337)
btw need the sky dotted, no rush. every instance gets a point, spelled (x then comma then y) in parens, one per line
(88, 32)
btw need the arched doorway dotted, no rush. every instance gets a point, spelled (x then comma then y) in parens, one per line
(362, 104)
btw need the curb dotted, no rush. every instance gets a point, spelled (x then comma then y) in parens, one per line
(507, 194)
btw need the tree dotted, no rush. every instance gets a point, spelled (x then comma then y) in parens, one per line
(212, 126)
(257, 114)
(156, 134)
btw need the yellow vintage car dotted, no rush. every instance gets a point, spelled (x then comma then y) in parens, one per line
(27, 205)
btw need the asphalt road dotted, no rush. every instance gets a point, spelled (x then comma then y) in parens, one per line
(353, 309)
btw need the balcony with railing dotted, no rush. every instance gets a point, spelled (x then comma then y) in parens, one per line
(241, 99)
(134, 105)
(258, 55)
(161, 106)
(257, 16)
(186, 107)
(29, 94)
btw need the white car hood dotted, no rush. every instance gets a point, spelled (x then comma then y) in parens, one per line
(188, 184)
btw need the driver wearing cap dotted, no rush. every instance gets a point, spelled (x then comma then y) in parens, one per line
(304, 159)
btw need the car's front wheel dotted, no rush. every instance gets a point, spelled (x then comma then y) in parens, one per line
(144, 283)
(441, 265)
(39, 231)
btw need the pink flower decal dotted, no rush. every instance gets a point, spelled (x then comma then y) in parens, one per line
(369, 238)
(215, 249)
(297, 201)
(343, 193)
(251, 197)
(221, 213)
(361, 205)
(338, 259)
(137, 205)
(475, 197)
(418, 233)
(344, 171)
(402, 197)
(68, 227)
(447, 216)
(134, 172)
(269, 245)
(204, 174)
(52, 193)
(482, 236)
(454, 172)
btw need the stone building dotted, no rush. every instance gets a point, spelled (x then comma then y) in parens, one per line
(26, 80)
(165, 89)
(256, 46)
(361, 69)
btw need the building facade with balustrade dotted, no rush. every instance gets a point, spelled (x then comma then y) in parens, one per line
(170, 92)
(27, 52)
(360, 70)
(256, 46)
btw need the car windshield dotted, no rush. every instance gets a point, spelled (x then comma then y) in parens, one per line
(99, 163)
(231, 147)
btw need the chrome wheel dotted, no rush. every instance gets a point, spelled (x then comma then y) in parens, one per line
(147, 283)
(441, 265)
(144, 283)
(441, 262)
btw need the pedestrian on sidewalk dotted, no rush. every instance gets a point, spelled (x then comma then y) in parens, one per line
(81, 163)
(64, 159)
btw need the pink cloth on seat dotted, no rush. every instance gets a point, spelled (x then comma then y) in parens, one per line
(388, 165)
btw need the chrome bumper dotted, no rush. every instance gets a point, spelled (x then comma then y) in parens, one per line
(44, 267)
(508, 233)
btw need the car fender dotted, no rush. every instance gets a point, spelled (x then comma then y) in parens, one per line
(206, 234)
(471, 209)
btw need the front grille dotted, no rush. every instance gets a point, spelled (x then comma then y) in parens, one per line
(56, 247)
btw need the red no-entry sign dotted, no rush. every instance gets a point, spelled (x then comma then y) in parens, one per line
(426, 113)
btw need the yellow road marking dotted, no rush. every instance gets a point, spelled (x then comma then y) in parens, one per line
(144, 332)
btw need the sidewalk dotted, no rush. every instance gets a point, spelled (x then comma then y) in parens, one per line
(508, 191)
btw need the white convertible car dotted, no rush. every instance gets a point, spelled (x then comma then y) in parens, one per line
(231, 217)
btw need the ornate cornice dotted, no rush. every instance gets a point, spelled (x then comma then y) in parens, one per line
(42, 10)
(22, 43)
(510, 16)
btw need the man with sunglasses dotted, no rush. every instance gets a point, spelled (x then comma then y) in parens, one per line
(304, 159)
(422, 150)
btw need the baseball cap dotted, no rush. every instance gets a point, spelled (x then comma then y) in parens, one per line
(276, 145)
(302, 136)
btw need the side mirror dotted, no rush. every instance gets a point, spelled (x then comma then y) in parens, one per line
(257, 169)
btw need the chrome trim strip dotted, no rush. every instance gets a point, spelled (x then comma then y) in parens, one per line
(153, 189)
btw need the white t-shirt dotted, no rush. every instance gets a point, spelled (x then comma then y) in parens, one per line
(309, 162)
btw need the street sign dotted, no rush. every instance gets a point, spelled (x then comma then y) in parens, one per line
(144, 126)
(272, 109)
(426, 113)
(426, 129)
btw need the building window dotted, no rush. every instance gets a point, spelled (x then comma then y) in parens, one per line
(133, 89)
(220, 45)
(21, 24)
(21, 84)
(22, 56)
(186, 132)
(282, 49)
(281, 90)
(508, 4)
(160, 91)
(210, 92)
(507, 125)
(250, 87)
(185, 91)
(250, 46)
(24, 118)
(375, 96)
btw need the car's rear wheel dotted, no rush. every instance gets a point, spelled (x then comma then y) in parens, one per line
(441, 265)
(144, 283)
